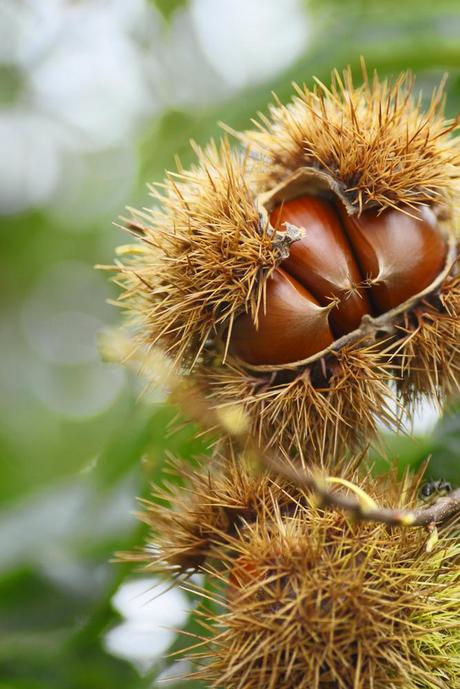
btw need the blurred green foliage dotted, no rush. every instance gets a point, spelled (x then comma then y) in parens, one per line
(51, 625)
(168, 7)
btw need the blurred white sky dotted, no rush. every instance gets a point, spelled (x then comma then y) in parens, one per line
(151, 611)
(79, 80)
(88, 74)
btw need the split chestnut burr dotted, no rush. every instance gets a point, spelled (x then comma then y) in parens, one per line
(341, 268)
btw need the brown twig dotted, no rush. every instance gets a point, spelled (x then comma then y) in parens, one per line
(439, 512)
(360, 506)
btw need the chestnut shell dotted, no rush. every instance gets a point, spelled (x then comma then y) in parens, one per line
(323, 261)
(292, 325)
(342, 268)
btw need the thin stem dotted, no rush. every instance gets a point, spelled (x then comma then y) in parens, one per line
(440, 511)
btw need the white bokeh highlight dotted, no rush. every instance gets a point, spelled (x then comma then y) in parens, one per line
(95, 184)
(61, 314)
(84, 90)
(151, 613)
(92, 81)
(30, 159)
(61, 318)
(76, 393)
(93, 73)
(248, 41)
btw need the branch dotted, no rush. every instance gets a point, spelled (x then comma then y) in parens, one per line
(358, 504)
(363, 509)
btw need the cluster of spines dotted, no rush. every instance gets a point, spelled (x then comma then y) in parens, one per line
(307, 416)
(427, 352)
(304, 597)
(382, 613)
(422, 358)
(206, 255)
(189, 517)
(375, 140)
(323, 606)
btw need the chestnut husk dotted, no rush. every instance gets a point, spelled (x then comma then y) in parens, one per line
(335, 399)
(312, 182)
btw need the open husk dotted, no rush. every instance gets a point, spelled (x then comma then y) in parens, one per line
(207, 250)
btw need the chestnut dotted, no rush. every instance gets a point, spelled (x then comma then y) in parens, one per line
(312, 276)
(323, 261)
(341, 268)
(292, 325)
(400, 251)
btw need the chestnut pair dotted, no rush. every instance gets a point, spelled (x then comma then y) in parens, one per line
(343, 267)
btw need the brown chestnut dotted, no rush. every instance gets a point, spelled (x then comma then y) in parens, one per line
(292, 325)
(400, 253)
(317, 293)
(322, 260)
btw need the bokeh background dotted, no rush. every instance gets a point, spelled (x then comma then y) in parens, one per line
(96, 98)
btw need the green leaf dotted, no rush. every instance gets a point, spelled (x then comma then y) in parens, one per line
(445, 461)
(169, 7)
(34, 647)
(404, 451)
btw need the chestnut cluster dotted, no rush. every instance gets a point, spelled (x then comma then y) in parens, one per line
(301, 291)
(312, 277)
(343, 267)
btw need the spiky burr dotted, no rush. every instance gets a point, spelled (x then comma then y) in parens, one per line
(312, 275)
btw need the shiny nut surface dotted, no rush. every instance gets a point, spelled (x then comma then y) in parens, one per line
(323, 261)
(342, 268)
(292, 325)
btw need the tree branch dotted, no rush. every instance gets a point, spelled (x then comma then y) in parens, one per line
(357, 503)
(362, 510)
